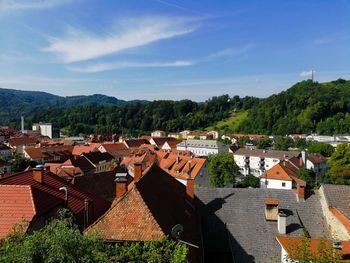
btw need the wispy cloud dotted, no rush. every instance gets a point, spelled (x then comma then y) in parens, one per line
(307, 73)
(126, 34)
(228, 52)
(11, 5)
(117, 65)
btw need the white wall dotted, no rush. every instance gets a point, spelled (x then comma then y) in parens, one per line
(275, 184)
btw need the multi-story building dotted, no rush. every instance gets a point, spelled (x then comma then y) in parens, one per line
(202, 147)
(44, 128)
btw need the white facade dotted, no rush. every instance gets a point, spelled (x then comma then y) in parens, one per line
(158, 134)
(275, 184)
(317, 167)
(202, 147)
(44, 128)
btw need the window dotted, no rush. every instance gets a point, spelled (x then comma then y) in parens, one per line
(266, 182)
(283, 184)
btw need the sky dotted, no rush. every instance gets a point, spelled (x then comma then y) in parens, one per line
(171, 49)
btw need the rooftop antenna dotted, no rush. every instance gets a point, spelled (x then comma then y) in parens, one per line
(312, 75)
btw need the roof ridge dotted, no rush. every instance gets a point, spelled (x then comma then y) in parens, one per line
(32, 198)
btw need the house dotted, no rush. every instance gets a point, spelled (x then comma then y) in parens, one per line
(258, 161)
(5, 167)
(185, 133)
(99, 160)
(215, 134)
(5, 152)
(20, 143)
(160, 141)
(150, 209)
(170, 145)
(313, 246)
(240, 224)
(37, 194)
(42, 155)
(335, 200)
(182, 167)
(158, 133)
(282, 176)
(117, 150)
(103, 137)
(202, 147)
(316, 162)
(135, 143)
(175, 135)
(80, 149)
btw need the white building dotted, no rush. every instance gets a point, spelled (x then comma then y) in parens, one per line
(202, 147)
(158, 133)
(44, 128)
(258, 161)
(316, 162)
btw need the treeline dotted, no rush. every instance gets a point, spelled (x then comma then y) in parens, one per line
(304, 108)
(137, 119)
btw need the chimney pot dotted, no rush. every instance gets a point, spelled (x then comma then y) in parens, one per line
(121, 185)
(137, 170)
(282, 223)
(301, 191)
(38, 173)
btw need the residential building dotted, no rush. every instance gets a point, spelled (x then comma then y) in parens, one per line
(158, 133)
(175, 135)
(185, 133)
(240, 224)
(335, 200)
(316, 162)
(42, 155)
(202, 147)
(19, 144)
(150, 209)
(5, 152)
(259, 161)
(135, 143)
(160, 141)
(99, 160)
(37, 194)
(117, 150)
(45, 129)
(170, 145)
(282, 176)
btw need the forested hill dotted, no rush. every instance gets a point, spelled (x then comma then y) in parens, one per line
(14, 103)
(304, 108)
(138, 119)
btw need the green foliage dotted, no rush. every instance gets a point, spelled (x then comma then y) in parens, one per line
(308, 176)
(249, 180)
(283, 143)
(222, 169)
(243, 140)
(322, 148)
(339, 164)
(301, 252)
(264, 143)
(61, 241)
(304, 108)
(301, 143)
(19, 163)
(226, 141)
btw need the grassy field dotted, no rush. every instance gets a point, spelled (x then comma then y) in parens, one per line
(229, 125)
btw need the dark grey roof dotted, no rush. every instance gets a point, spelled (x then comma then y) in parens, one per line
(233, 219)
(266, 153)
(338, 196)
(212, 144)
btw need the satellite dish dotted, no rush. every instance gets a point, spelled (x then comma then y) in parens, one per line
(176, 231)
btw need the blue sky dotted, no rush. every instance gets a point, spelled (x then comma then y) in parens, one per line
(171, 49)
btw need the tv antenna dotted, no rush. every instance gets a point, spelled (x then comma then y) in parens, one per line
(176, 233)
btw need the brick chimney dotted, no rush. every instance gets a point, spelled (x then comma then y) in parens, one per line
(120, 184)
(137, 170)
(38, 174)
(190, 185)
(301, 191)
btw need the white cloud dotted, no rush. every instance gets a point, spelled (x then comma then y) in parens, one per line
(126, 34)
(118, 65)
(228, 52)
(306, 73)
(9, 5)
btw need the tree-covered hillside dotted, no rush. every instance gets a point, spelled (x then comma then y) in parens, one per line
(304, 108)
(135, 119)
(14, 103)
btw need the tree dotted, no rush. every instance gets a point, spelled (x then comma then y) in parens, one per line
(19, 164)
(283, 143)
(226, 141)
(339, 164)
(249, 180)
(264, 143)
(61, 241)
(322, 148)
(308, 176)
(243, 140)
(222, 169)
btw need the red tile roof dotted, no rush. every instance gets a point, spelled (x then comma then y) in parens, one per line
(283, 171)
(19, 202)
(45, 152)
(22, 141)
(110, 147)
(52, 183)
(80, 149)
(341, 217)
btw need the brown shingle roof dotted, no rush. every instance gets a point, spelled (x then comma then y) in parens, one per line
(316, 158)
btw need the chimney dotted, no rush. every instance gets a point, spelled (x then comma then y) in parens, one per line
(137, 170)
(301, 192)
(271, 209)
(38, 174)
(66, 194)
(304, 157)
(282, 223)
(86, 213)
(121, 185)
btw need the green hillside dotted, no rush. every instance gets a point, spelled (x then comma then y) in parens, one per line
(231, 124)
(304, 108)
(14, 103)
